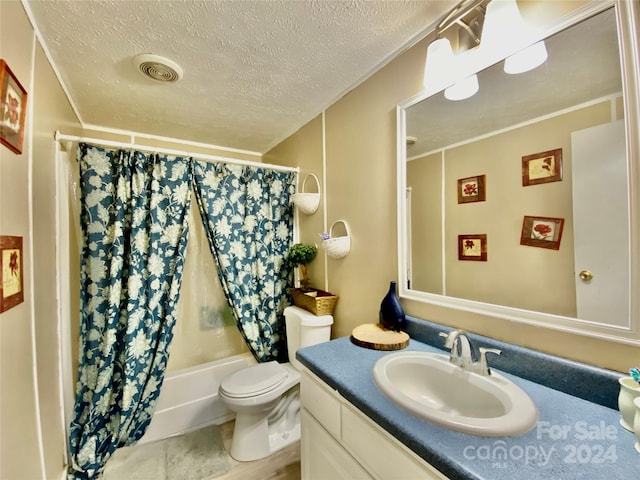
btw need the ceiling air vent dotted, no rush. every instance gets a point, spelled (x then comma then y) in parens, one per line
(157, 68)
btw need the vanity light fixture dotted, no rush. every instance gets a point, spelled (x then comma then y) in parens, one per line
(496, 23)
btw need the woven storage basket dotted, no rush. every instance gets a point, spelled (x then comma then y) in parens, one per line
(317, 302)
(338, 247)
(307, 203)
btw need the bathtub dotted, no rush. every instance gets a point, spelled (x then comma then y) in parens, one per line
(189, 398)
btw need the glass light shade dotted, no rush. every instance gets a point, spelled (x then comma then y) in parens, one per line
(526, 59)
(502, 24)
(463, 89)
(439, 61)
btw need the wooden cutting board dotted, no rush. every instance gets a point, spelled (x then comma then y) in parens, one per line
(375, 337)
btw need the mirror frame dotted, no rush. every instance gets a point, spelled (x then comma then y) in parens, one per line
(628, 26)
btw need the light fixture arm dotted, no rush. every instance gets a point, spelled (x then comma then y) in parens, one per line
(467, 28)
(494, 22)
(455, 16)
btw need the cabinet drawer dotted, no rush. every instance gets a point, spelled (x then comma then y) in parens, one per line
(381, 454)
(322, 457)
(321, 402)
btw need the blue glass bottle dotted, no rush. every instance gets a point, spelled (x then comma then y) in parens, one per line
(391, 313)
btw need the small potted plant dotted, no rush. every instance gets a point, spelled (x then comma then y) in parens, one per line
(313, 300)
(299, 255)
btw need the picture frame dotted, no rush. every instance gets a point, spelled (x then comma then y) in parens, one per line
(472, 189)
(542, 232)
(543, 167)
(472, 247)
(13, 109)
(11, 272)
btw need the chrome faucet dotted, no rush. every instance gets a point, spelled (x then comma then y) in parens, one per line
(465, 354)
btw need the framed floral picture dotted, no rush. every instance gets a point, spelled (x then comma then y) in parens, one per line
(472, 189)
(13, 109)
(472, 247)
(11, 272)
(543, 232)
(543, 167)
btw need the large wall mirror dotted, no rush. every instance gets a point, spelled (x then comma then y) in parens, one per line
(521, 202)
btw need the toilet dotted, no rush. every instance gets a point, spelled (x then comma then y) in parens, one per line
(266, 397)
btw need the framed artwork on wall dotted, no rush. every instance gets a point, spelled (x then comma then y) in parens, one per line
(13, 109)
(543, 232)
(11, 272)
(472, 189)
(472, 247)
(543, 167)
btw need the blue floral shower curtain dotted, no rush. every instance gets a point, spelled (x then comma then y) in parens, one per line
(248, 217)
(134, 219)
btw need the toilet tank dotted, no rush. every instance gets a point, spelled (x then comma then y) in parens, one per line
(305, 329)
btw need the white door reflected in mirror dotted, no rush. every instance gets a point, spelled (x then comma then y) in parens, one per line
(600, 215)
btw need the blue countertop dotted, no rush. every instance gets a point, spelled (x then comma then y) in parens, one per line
(574, 438)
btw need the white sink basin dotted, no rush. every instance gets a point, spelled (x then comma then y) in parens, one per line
(430, 387)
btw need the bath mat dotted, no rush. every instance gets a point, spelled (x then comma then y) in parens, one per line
(198, 455)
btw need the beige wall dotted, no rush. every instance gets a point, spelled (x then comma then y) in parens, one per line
(361, 188)
(424, 177)
(19, 448)
(360, 182)
(29, 336)
(518, 276)
(304, 150)
(51, 111)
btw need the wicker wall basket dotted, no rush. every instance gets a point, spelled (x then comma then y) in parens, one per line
(338, 247)
(315, 301)
(307, 203)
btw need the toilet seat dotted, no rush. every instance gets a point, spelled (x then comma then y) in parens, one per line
(255, 380)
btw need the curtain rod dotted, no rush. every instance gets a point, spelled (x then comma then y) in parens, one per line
(59, 137)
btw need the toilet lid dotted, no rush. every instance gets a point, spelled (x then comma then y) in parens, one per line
(254, 380)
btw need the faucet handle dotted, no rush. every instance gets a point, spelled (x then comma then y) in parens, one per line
(450, 337)
(450, 345)
(484, 366)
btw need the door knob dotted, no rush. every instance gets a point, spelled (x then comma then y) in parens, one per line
(586, 275)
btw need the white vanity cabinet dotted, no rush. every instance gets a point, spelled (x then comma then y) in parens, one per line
(340, 442)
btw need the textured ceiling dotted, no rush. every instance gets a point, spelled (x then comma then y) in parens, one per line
(254, 71)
